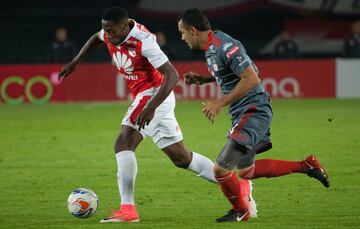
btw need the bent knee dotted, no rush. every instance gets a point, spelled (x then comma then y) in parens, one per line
(247, 173)
(220, 171)
(121, 144)
(181, 162)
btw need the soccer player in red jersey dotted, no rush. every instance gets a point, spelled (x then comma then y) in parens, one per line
(250, 110)
(151, 79)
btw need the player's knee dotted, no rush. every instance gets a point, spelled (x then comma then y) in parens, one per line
(181, 160)
(181, 163)
(120, 144)
(247, 173)
(179, 155)
(220, 171)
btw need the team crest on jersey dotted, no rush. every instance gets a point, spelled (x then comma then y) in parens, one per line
(131, 42)
(123, 62)
(132, 52)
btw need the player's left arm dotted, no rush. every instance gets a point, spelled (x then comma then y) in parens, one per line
(249, 80)
(234, 56)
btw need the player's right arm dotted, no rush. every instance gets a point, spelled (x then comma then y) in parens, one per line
(195, 78)
(93, 42)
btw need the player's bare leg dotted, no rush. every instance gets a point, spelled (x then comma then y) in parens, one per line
(125, 146)
(183, 158)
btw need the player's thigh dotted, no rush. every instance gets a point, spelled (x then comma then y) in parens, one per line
(234, 155)
(128, 139)
(167, 132)
(161, 111)
(252, 129)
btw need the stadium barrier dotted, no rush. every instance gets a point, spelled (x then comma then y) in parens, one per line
(101, 82)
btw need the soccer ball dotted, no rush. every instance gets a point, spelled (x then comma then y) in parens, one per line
(82, 203)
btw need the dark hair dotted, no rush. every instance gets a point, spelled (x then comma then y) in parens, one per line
(115, 14)
(196, 18)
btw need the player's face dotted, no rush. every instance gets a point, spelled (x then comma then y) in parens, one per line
(115, 32)
(188, 34)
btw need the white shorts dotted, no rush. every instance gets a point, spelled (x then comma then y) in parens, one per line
(163, 128)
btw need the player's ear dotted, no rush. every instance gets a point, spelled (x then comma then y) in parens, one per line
(193, 30)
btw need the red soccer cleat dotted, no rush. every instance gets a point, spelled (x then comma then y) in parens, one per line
(315, 170)
(127, 213)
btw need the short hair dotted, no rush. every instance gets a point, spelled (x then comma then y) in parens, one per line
(196, 18)
(115, 14)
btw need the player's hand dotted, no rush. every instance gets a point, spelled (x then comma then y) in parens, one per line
(67, 69)
(146, 115)
(211, 109)
(192, 78)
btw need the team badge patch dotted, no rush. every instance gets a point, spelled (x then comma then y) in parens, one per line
(132, 52)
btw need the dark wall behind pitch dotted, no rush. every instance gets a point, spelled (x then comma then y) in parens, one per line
(27, 27)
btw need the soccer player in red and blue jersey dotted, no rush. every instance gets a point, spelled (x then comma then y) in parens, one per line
(151, 79)
(250, 110)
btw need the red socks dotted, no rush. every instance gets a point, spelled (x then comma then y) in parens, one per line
(231, 188)
(273, 168)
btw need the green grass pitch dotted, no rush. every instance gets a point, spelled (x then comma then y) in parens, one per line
(47, 151)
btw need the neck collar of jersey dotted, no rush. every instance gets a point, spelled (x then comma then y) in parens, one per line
(132, 23)
(208, 43)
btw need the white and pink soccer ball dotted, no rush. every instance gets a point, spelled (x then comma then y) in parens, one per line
(82, 203)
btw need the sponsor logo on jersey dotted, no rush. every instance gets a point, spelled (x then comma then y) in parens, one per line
(123, 62)
(129, 77)
(232, 51)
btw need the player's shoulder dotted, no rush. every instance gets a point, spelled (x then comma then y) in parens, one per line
(141, 33)
(227, 41)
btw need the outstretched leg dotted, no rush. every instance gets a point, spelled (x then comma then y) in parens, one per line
(275, 168)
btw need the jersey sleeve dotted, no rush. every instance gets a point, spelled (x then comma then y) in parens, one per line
(234, 56)
(151, 50)
(101, 34)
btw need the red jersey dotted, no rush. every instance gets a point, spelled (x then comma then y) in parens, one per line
(137, 58)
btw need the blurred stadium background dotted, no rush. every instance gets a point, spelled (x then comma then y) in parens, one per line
(44, 149)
